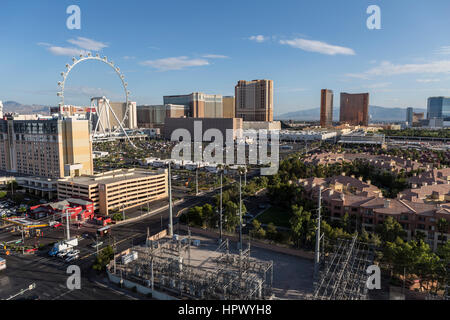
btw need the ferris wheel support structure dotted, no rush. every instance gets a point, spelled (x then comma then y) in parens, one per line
(62, 84)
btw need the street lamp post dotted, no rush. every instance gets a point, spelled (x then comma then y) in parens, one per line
(240, 210)
(220, 217)
(196, 181)
(30, 287)
(170, 203)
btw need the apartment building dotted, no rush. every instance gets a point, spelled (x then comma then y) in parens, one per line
(381, 163)
(347, 195)
(116, 190)
(254, 100)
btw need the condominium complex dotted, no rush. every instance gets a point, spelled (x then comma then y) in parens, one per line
(343, 195)
(229, 109)
(153, 116)
(326, 108)
(355, 109)
(200, 105)
(53, 148)
(254, 100)
(116, 190)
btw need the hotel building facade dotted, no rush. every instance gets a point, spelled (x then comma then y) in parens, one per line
(326, 108)
(354, 109)
(254, 100)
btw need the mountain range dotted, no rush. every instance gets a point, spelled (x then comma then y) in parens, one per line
(13, 106)
(376, 113)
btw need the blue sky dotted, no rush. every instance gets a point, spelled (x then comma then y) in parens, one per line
(177, 47)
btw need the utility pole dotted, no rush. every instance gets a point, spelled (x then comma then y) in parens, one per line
(23, 242)
(123, 212)
(170, 203)
(317, 252)
(68, 225)
(220, 218)
(245, 181)
(196, 181)
(240, 211)
(30, 287)
(114, 252)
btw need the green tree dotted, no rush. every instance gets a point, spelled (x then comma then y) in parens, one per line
(303, 226)
(272, 232)
(103, 258)
(390, 230)
(442, 226)
(257, 231)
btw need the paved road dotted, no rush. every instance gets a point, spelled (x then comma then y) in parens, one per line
(49, 273)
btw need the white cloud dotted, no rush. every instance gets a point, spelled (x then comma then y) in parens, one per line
(387, 68)
(318, 46)
(83, 45)
(215, 56)
(129, 57)
(64, 51)
(428, 80)
(88, 44)
(443, 50)
(378, 85)
(44, 44)
(175, 63)
(259, 38)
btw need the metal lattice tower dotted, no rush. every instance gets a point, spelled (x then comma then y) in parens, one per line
(342, 274)
(232, 277)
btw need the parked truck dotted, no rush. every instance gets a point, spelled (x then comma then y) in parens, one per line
(63, 246)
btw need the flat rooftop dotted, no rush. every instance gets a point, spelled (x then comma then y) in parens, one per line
(113, 176)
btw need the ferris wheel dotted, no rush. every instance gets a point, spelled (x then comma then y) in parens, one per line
(105, 108)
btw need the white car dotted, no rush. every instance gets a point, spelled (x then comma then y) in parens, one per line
(96, 244)
(73, 253)
(72, 258)
(62, 254)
